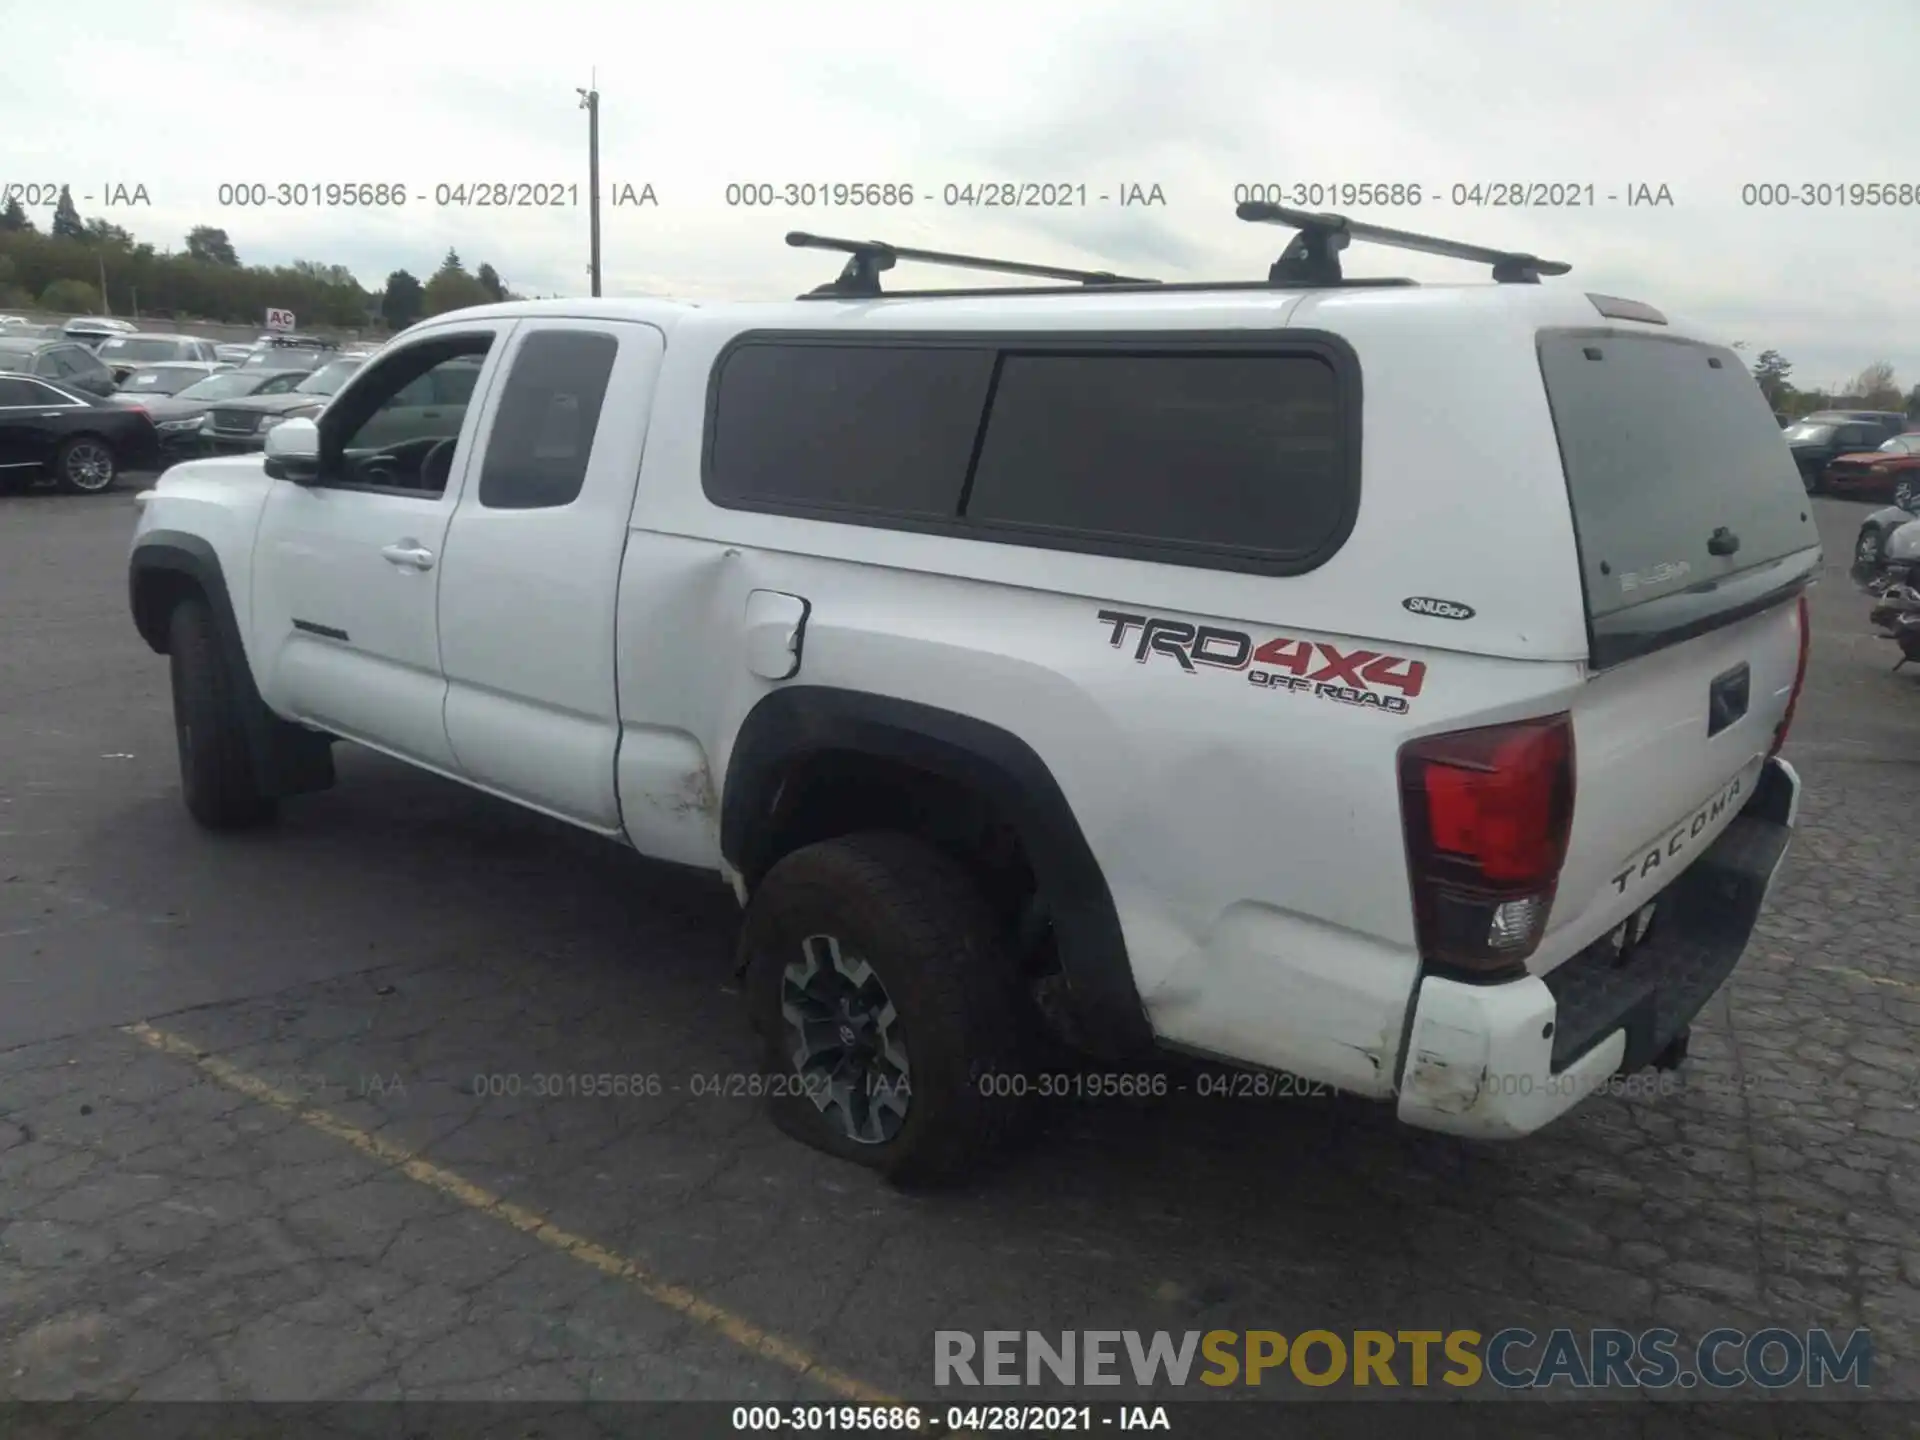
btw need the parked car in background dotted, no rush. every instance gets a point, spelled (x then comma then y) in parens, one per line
(232, 354)
(92, 329)
(235, 427)
(179, 417)
(1872, 474)
(280, 352)
(80, 441)
(67, 363)
(127, 353)
(7, 321)
(1817, 440)
(1903, 555)
(168, 378)
(1870, 545)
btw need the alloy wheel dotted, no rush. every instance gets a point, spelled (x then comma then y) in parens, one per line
(848, 1048)
(89, 466)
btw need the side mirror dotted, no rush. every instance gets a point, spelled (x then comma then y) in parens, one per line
(293, 451)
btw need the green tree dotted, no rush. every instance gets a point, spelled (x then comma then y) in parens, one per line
(401, 301)
(210, 243)
(66, 218)
(1771, 370)
(104, 232)
(490, 280)
(13, 219)
(70, 297)
(1913, 403)
(452, 288)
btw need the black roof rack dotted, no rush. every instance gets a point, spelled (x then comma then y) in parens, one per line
(867, 258)
(1312, 257)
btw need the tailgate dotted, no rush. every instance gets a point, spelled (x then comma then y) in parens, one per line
(1667, 750)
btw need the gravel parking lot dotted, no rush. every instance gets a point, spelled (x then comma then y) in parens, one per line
(270, 1121)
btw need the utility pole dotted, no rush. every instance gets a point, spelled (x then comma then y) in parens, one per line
(590, 102)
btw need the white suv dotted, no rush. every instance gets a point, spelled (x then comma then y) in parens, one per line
(1374, 682)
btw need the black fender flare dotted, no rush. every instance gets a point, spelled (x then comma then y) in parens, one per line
(793, 722)
(287, 759)
(176, 553)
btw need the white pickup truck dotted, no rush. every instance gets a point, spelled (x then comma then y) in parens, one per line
(1310, 674)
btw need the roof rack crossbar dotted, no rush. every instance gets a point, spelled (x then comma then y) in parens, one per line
(867, 258)
(1312, 257)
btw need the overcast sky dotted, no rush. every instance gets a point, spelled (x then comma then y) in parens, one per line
(1703, 97)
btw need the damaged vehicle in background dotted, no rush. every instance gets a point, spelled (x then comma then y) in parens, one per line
(1896, 616)
(1870, 545)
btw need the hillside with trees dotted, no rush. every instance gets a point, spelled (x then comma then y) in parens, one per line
(64, 268)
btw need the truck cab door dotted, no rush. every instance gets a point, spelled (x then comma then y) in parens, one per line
(347, 566)
(527, 597)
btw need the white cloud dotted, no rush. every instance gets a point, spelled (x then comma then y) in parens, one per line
(1195, 97)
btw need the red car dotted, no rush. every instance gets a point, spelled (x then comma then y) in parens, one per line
(1873, 474)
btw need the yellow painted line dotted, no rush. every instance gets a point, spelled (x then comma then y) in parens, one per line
(1853, 974)
(741, 1331)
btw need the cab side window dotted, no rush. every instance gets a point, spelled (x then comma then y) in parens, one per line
(388, 432)
(543, 431)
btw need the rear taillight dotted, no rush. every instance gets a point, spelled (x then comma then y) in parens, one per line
(1487, 815)
(1804, 623)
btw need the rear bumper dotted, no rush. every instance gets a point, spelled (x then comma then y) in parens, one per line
(1499, 1061)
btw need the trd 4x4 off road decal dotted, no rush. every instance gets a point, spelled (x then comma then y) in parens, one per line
(1307, 667)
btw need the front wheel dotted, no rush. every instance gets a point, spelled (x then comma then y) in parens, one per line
(1870, 548)
(85, 466)
(216, 768)
(887, 1004)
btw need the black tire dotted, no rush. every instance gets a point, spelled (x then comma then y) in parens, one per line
(1870, 548)
(86, 465)
(216, 770)
(1814, 478)
(915, 918)
(1906, 495)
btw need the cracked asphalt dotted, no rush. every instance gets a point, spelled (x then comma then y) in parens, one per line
(311, 1115)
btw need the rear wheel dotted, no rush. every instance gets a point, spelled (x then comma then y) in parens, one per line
(1870, 548)
(1907, 496)
(85, 466)
(888, 1007)
(1810, 476)
(216, 769)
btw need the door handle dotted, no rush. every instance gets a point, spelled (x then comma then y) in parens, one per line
(409, 554)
